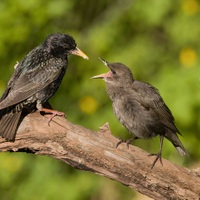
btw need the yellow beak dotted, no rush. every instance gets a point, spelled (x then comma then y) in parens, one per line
(78, 52)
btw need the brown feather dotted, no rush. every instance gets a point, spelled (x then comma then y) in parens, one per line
(9, 124)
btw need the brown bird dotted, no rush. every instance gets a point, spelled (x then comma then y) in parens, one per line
(35, 79)
(140, 108)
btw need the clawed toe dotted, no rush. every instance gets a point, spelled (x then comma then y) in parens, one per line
(55, 113)
(125, 141)
(158, 157)
(52, 112)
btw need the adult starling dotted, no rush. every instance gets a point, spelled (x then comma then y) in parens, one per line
(35, 79)
(139, 107)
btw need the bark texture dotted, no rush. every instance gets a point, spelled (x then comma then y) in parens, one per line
(93, 151)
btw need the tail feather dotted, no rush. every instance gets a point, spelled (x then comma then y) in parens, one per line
(173, 138)
(9, 124)
(181, 150)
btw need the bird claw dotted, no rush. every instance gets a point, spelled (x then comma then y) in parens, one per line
(158, 157)
(55, 113)
(52, 112)
(125, 141)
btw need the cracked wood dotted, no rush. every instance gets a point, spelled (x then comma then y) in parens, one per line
(95, 151)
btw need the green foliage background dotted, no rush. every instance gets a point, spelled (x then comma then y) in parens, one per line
(158, 40)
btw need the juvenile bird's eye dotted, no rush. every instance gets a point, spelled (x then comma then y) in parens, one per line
(114, 72)
(140, 108)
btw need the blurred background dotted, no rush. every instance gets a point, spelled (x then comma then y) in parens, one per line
(158, 40)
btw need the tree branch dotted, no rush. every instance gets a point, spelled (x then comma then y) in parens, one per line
(95, 152)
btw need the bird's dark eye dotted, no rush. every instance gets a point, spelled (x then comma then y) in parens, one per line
(114, 72)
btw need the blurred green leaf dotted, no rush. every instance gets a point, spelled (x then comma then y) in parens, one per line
(158, 40)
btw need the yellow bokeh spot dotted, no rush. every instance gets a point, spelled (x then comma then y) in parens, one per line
(190, 7)
(188, 57)
(88, 104)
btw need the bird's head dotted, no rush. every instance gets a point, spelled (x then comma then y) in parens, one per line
(62, 45)
(119, 74)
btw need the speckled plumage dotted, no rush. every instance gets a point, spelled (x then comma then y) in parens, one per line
(139, 107)
(35, 79)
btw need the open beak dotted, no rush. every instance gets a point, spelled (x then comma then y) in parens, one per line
(78, 52)
(104, 61)
(105, 75)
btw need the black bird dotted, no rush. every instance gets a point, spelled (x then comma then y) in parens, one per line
(140, 108)
(35, 79)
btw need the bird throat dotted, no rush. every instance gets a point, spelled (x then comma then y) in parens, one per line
(114, 91)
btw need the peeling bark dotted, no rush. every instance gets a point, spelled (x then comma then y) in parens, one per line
(93, 151)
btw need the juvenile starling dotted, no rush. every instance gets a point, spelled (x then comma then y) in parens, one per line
(35, 79)
(139, 107)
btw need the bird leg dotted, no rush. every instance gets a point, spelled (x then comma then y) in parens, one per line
(126, 141)
(52, 112)
(158, 155)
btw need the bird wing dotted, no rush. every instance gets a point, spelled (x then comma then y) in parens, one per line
(149, 97)
(22, 85)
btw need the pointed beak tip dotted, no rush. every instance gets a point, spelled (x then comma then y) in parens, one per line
(93, 77)
(80, 53)
(104, 61)
(86, 57)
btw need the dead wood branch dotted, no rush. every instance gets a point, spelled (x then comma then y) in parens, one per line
(95, 152)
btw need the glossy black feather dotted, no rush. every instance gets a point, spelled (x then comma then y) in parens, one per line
(35, 79)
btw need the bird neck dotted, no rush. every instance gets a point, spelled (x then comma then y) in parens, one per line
(114, 91)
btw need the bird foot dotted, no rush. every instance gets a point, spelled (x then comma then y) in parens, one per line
(53, 114)
(158, 157)
(125, 141)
